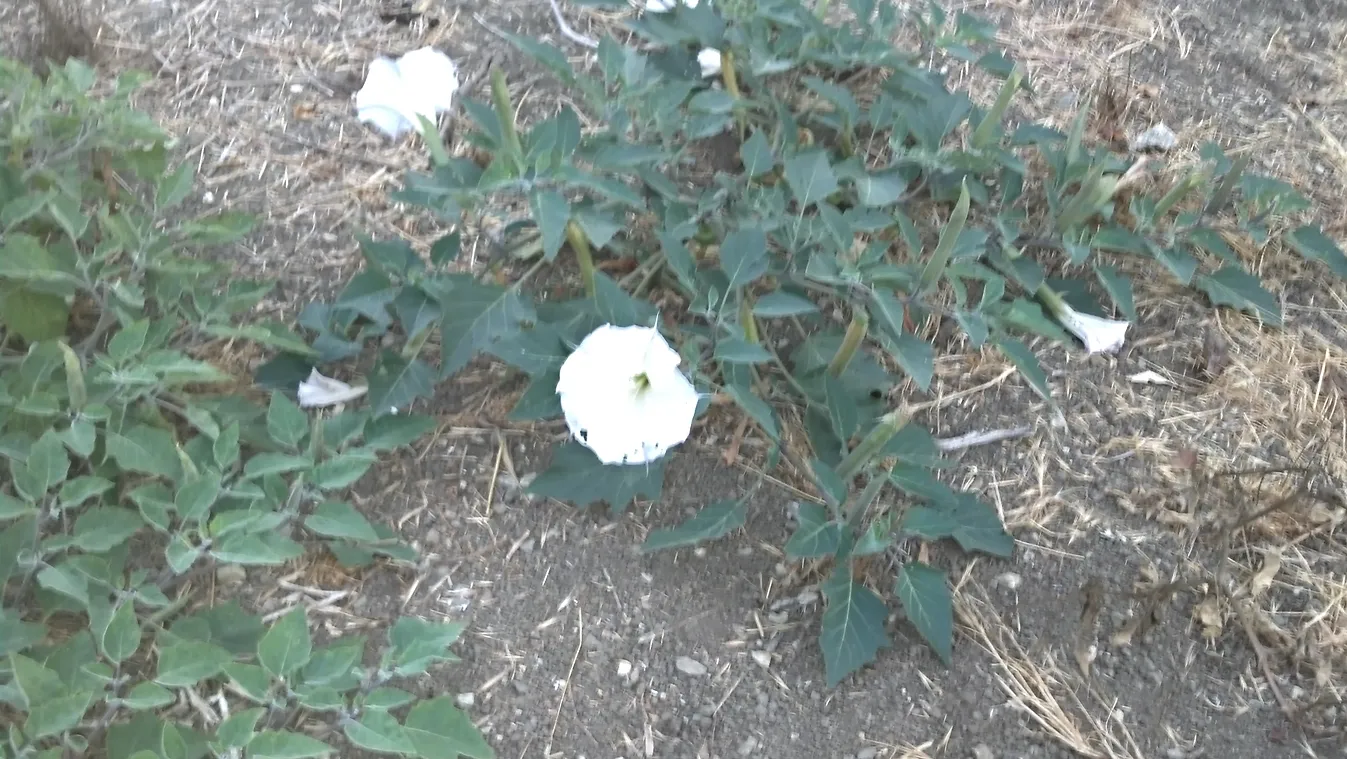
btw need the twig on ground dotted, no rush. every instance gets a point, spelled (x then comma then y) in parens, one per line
(570, 674)
(982, 437)
(567, 31)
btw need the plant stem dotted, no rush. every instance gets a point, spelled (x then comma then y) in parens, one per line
(500, 97)
(851, 342)
(856, 515)
(873, 443)
(746, 321)
(583, 255)
(731, 79)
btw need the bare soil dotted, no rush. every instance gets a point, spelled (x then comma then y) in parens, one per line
(580, 647)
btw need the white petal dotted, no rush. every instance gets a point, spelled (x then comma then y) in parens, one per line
(381, 101)
(432, 77)
(1149, 377)
(608, 411)
(319, 392)
(1099, 335)
(659, 6)
(709, 59)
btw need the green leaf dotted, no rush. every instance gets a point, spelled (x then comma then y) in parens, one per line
(853, 625)
(475, 316)
(743, 255)
(181, 553)
(551, 212)
(238, 729)
(915, 356)
(175, 186)
(817, 534)
(194, 499)
(81, 437)
(618, 308)
(66, 581)
(440, 730)
(334, 519)
(286, 646)
(756, 155)
(833, 486)
(121, 638)
(733, 350)
(16, 635)
(35, 682)
(1311, 242)
(189, 662)
(34, 316)
(1119, 288)
(57, 715)
(393, 431)
(396, 383)
(379, 731)
(333, 662)
(342, 470)
(780, 303)
(578, 476)
(146, 450)
(283, 744)
(103, 528)
(75, 492)
(417, 643)
(1025, 360)
(286, 421)
(47, 466)
(385, 698)
(810, 176)
(755, 407)
(926, 597)
(713, 521)
(880, 189)
(266, 549)
(1234, 287)
(147, 695)
(265, 464)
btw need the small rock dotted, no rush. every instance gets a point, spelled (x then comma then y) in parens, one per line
(869, 752)
(748, 746)
(623, 668)
(465, 700)
(520, 687)
(231, 574)
(981, 751)
(690, 666)
(1009, 580)
(763, 658)
(1159, 137)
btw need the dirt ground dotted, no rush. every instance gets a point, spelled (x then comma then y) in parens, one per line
(579, 647)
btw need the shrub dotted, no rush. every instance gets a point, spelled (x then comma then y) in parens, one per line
(860, 201)
(133, 466)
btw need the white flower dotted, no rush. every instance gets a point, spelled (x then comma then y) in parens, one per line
(1099, 335)
(709, 58)
(319, 392)
(420, 83)
(664, 6)
(624, 397)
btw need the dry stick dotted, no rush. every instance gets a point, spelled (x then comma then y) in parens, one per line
(570, 673)
(567, 31)
(982, 437)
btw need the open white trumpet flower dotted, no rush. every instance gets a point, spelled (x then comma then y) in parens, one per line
(664, 6)
(624, 397)
(396, 93)
(709, 58)
(1099, 335)
(319, 391)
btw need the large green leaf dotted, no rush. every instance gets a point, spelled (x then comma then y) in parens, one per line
(440, 730)
(283, 744)
(1310, 241)
(286, 647)
(551, 212)
(816, 535)
(810, 176)
(475, 317)
(380, 732)
(853, 625)
(189, 662)
(743, 255)
(1027, 363)
(578, 476)
(1234, 287)
(396, 382)
(713, 521)
(929, 603)
(145, 449)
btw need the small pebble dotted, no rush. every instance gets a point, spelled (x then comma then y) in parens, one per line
(869, 752)
(690, 666)
(981, 751)
(465, 700)
(763, 658)
(623, 668)
(231, 574)
(748, 746)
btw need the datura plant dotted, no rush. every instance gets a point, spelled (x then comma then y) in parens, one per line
(807, 203)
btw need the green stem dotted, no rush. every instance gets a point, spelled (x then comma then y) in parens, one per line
(500, 97)
(986, 131)
(856, 515)
(583, 255)
(851, 342)
(872, 443)
(730, 77)
(746, 321)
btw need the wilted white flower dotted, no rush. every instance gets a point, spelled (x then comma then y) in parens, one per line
(319, 392)
(664, 6)
(709, 58)
(420, 83)
(623, 395)
(1099, 335)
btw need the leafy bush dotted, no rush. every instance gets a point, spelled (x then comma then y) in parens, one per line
(133, 466)
(809, 210)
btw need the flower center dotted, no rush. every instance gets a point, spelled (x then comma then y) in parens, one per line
(642, 382)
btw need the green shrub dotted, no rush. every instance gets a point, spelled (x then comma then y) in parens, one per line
(132, 466)
(863, 186)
